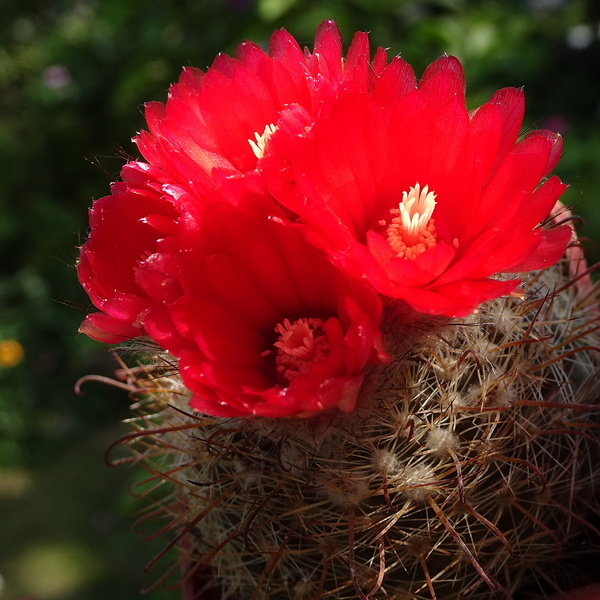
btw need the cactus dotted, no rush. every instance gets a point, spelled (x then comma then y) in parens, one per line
(333, 405)
(467, 470)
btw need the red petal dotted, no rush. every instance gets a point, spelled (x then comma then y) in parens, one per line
(556, 145)
(469, 294)
(449, 65)
(215, 408)
(357, 63)
(541, 203)
(552, 246)
(107, 329)
(328, 48)
(397, 79)
(511, 102)
(486, 136)
(159, 325)
(379, 61)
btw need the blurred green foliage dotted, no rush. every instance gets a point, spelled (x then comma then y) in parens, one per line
(74, 75)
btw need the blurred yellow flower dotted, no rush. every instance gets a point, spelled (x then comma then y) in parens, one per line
(11, 353)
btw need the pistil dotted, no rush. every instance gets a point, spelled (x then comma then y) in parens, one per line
(300, 344)
(412, 230)
(259, 143)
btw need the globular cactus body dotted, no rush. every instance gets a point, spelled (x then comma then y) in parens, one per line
(468, 469)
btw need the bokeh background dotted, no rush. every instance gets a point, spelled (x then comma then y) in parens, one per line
(74, 75)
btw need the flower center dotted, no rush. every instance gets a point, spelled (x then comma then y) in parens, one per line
(300, 344)
(412, 230)
(258, 146)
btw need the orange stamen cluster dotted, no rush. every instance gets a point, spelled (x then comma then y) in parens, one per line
(300, 344)
(412, 230)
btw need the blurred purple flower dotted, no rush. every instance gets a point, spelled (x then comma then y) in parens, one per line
(56, 77)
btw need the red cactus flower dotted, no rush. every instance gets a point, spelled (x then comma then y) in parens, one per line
(127, 228)
(424, 199)
(220, 123)
(395, 189)
(271, 327)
